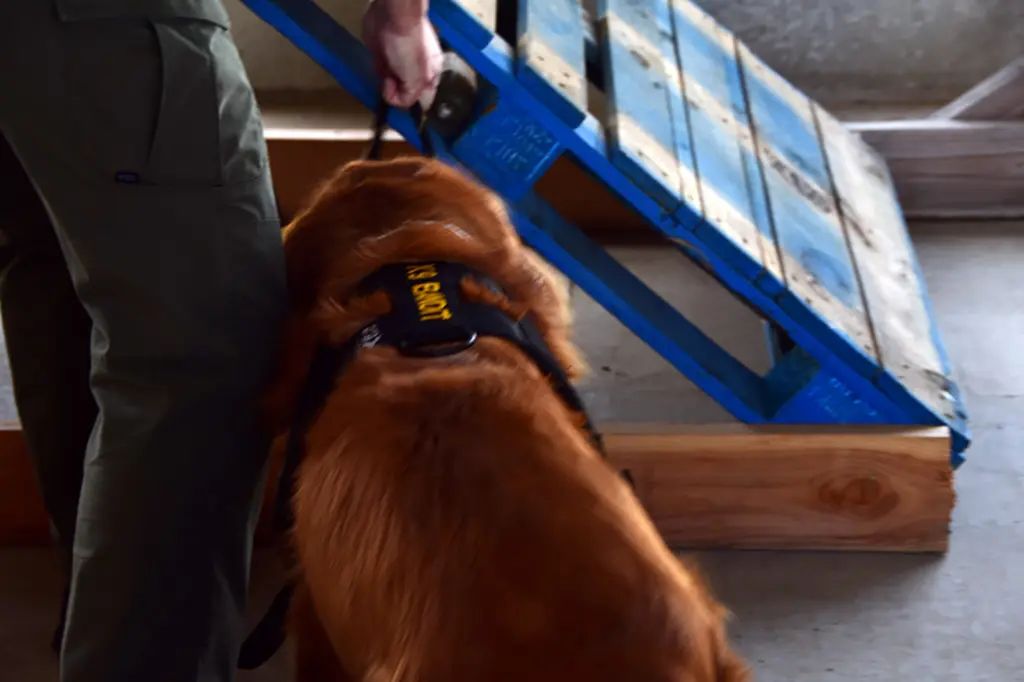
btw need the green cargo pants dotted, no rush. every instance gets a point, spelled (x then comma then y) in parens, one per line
(143, 286)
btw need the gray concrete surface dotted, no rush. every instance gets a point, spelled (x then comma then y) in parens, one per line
(800, 617)
(878, 51)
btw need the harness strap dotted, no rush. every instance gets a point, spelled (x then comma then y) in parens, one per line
(328, 363)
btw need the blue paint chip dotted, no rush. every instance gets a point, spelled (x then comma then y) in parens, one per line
(127, 177)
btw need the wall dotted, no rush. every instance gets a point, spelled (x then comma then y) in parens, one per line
(872, 50)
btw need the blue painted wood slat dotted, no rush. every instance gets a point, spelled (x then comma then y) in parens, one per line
(690, 212)
(550, 56)
(641, 140)
(477, 21)
(735, 199)
(823, 290)
(736, 217)
(908, 340)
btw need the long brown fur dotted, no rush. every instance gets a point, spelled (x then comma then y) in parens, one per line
(452, 521)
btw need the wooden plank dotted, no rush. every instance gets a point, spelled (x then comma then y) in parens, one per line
(947, 142)
(477, 20)
(641, 140)
(550, 59)
(732, 190)
(1000, 97)
(826, 295)
(725, 486)
(931, 198)
(952, 169)
(800, 487)
(691, 210)
(907, 336)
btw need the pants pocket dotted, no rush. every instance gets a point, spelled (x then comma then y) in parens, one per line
(209, 127)
(166, 101)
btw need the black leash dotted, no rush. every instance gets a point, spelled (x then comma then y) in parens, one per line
(269, 634)
(380, 124)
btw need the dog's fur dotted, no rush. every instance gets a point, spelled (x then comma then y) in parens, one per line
(452, 521)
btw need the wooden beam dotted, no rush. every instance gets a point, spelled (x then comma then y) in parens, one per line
(721, 486)
(838, 488)
(952, 169)
(1000, 97)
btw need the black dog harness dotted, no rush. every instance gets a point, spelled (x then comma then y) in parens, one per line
(429, 318)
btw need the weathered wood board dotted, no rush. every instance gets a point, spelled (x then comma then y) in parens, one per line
(816, 259)
(896, 299)
(641, 128)
(733, 193)
(550, 56)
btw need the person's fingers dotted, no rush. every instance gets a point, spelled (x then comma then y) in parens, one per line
(428, 93)
(390, 90)
(410, 66)
(404, 95)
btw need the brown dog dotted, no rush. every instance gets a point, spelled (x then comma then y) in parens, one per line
(453, 523)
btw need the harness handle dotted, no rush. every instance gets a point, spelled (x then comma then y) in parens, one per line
(380, 125)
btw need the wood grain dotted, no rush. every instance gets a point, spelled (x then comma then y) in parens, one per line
(640, 122)
(720, 486)
(1000, 97)
(946, 169)
(550, 48)
(732, 192)
(895, 294)
(879, 489)
(485, 11)
(821, 280)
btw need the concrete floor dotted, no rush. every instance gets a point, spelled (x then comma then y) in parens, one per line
(800, 617)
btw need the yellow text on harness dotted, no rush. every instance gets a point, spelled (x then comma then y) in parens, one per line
(431, 303)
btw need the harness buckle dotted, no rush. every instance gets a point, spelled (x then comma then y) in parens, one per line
(437, 348)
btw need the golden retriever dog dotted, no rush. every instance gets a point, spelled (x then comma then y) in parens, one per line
(453, 522)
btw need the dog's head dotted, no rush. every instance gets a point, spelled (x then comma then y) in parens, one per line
(375, 213)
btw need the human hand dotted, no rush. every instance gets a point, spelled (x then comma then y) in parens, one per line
(406, 51)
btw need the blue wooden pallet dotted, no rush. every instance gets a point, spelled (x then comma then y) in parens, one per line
(771, 194)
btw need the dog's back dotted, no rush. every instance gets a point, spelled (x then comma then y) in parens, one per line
(452, 521)
(455, 526)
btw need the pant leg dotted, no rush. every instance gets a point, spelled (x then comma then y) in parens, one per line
(143, 138)
(47, 333)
